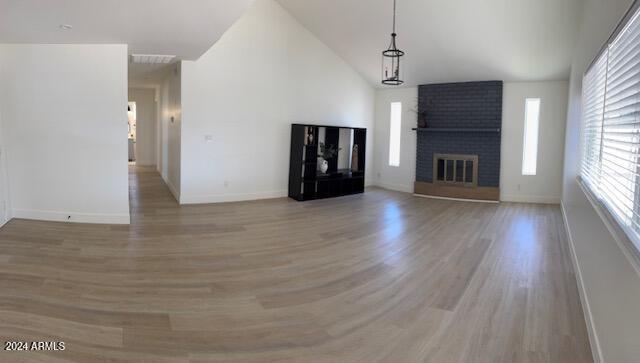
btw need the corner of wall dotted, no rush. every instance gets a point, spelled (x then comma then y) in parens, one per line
(172, 188)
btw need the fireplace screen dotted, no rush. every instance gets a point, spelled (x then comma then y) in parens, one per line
(460, 170)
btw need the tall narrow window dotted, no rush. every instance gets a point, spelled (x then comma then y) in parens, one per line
(530, 146)
(394, 133)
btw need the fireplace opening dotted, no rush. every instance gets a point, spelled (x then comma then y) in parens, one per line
(451, 169)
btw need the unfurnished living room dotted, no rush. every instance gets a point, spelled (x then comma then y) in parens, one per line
(320, 181)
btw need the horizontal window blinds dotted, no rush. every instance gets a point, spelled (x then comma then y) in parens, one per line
(593, 87)
(611, 128)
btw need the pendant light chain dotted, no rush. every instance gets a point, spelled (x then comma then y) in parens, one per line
(394, 16)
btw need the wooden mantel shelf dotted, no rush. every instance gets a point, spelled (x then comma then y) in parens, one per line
(441, 129)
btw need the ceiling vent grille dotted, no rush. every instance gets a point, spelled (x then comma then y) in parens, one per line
(151, 58)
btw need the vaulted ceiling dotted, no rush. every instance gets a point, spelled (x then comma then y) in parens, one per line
(444, 40)
(449, 40)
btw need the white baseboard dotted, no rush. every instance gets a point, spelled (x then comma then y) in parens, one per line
(529, 199)
(232, 197)
(396, 187)
(58, 216)
(596, 351)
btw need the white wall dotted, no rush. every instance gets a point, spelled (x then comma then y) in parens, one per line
(390, 177)
(145, 124)
(546, 185)
(66, 125)
(171, 130)
(608, 280)
(265, 73)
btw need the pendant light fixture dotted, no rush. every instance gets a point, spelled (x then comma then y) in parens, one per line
(391, 58)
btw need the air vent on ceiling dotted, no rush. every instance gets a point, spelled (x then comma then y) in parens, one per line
(151, 58)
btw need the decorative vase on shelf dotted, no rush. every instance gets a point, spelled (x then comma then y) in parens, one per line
(324, 166)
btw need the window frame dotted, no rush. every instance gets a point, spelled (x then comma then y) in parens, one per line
(395, 133)
(535, 139)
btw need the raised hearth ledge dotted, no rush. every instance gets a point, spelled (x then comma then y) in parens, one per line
(457, 192)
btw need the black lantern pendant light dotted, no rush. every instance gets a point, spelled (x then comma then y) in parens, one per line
(391, 58)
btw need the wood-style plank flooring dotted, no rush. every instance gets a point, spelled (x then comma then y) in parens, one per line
(378, 277)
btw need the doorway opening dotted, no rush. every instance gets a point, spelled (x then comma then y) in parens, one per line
(154, 120)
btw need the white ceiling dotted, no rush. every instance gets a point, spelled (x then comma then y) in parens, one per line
(148, 75)
(185, 28)
(444, 40)
(449, 40)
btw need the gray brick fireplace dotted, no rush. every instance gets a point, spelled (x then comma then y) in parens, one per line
(461, 119)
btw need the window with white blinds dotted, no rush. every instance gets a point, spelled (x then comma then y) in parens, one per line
(611, 128)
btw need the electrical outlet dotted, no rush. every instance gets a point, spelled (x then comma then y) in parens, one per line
(226, 183)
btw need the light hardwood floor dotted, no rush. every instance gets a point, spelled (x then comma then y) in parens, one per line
(379, 277)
